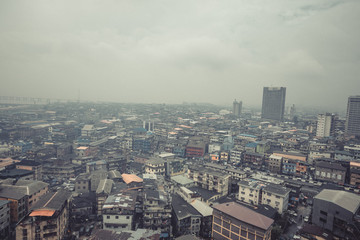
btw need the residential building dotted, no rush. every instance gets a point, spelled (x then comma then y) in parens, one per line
(337, 211)
(195, 149)
(330, 171)
(18, 203)
(276, 196)
(253, 160)
(291, 155)
(118, 212)
(275, 163)
(235, 155)
(102, 192)
(4, 219)
(155, 166)
(33, 189)
(325, 125)
(209, 179)
(206, 217)
(354, 150)
(31, 166)
(48, 219)
(82, 183)
(273, 103)
(234, 221)
(352, 124)
(355, 174)
(157, 211)
(257, 193)
(185, 218)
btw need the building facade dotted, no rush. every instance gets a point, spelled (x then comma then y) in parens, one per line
(237, 107)
(325, 125)
(273, 103)
(352, 124)
(337, 211)
(48, 219)
(234, 221)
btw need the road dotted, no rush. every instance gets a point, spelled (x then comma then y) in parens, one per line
(302, 212)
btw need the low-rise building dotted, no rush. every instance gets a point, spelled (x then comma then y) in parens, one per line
(185, 218)
(330, 171)
(209, 179)
(234, 221)
(155, 166)
(355, 174)
(118, 212)
(337, 211)
(275, 163)
(4, 219)
(31, 166)
(257, 193)
(48, 219)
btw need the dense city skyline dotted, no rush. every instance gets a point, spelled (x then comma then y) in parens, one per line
(171, 52)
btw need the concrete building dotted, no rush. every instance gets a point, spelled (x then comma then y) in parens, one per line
(352, 124)
(237, 107)
(276, 196)
(185, 218)
(118, 212)
(4, 219)
(209, 179)
(337, 211)
(275, 163)
(33, 189)
(155, 166)
(273, 103)
(48, 219)
(355, 174)
(18, 203)
(234, 221)
(330, 171)
(31, 166)
(325, 125)
(157, 211)
(257, 193)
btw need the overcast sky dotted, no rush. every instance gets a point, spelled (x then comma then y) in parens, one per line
(171, 51)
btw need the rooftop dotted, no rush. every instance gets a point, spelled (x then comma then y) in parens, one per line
(346, 200)
(52, 200)
(245, 214)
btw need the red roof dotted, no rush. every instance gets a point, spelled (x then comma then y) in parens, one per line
(128, 178)
(42, 212)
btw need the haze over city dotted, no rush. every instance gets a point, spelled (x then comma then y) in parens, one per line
(181, 51)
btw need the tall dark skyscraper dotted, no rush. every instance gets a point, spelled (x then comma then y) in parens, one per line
(237, 106)
(352, 124)
(273, 104)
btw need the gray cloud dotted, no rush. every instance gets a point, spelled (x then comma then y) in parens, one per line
(174, 51)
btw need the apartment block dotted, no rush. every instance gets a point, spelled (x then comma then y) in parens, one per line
(234, 221)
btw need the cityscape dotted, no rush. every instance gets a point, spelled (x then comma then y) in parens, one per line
(83, 170)
(179, 120)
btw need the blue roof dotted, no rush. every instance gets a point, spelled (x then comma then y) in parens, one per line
(247, 135)
(251, 145)
(140, 130)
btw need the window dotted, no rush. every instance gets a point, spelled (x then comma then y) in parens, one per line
(127, 217)
(107, 217)
(116, 217)
(322, 220)
(323, 213)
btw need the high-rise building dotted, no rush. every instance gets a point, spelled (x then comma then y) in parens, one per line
(237, 106)
(273, 104)
(325, 125)
(352, 124)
